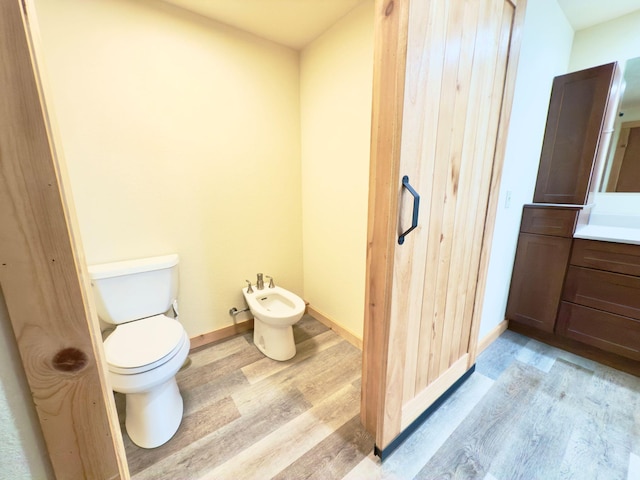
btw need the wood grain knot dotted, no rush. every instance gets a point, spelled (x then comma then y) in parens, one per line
(70, 360)
(389, 9)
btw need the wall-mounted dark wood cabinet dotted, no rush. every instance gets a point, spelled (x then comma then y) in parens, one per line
(581, 105)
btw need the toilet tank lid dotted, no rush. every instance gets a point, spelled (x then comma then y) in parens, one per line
(128, 267)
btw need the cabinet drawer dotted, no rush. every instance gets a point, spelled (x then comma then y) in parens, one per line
(556, 221)
(607, 331)
(611, 292)
(612, 257)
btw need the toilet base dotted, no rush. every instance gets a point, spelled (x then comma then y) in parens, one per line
(276, 343)
(153, 417)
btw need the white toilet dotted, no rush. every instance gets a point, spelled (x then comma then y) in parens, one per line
(275, 311)
(147, 348)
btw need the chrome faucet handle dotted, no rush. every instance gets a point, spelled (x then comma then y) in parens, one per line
(260, 282)
(249, 289)
(271, 284)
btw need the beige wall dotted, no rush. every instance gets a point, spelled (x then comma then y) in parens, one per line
(22, 450)
(335, 96)
(181, 135)
(606, 42)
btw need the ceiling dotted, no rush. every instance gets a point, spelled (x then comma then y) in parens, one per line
(293, 23)
(586, 13)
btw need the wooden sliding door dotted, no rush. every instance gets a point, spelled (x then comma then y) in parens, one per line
(442, 95)
(42, 272)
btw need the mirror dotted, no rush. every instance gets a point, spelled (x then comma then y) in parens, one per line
(622, 169)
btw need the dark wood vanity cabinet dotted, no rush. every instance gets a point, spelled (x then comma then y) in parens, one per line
(601, 297)
(576, 294)
(581, 104)
(542, 256)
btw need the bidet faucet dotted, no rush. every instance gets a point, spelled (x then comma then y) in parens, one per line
(271, 284)
(260, 282)
(249, 289)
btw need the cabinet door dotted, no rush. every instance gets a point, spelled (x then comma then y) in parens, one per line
(422, 308)
(577, 110)
(536, 285)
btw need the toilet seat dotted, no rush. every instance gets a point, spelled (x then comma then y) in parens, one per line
(143, 345)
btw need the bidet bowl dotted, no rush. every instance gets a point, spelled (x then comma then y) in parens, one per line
(275, 306)
(274, 310)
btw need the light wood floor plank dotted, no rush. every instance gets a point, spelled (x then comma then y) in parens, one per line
(199, 396)
(211, 353)
(308, 327)
(192, 428)
(333, 457)
(470, 449)
(209, 372)
(268, 456)
(494, 361)
(218, 447)
(419, 448)
(537, 355)
(325, 368)
(266, 367)
(603, 437)
(534, 448)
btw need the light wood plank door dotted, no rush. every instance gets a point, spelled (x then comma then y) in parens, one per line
(453, 83)
(43, 278)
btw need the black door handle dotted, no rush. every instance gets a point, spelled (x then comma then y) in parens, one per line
(416, 207)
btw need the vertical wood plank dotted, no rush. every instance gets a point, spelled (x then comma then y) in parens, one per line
(423, 84)
(40, 275)
(490, 83)
(390, 40)
(436, 266)
(467, 205)
(456, 197)
(513, 49)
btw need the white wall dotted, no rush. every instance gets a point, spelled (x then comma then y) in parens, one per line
(546, 45)
(22, 450)
(181, 135)
(336, 76)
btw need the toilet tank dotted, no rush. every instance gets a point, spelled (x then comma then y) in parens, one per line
(134, 289)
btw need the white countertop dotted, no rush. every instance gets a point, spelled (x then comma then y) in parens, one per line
(608, 233)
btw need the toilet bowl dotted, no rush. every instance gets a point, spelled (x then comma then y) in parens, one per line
(147, 348)
(142, 364)
(275, 311)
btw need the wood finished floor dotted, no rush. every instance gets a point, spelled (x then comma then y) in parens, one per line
(530, 411)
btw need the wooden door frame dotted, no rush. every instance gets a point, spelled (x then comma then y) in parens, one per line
(390, 55)
(43, 274)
